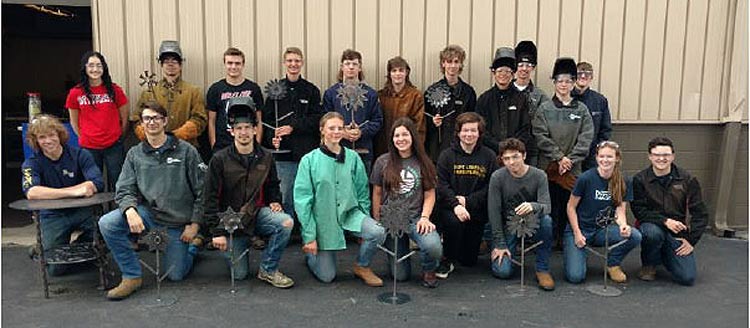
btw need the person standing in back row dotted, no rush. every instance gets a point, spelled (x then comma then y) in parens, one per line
(598, 108)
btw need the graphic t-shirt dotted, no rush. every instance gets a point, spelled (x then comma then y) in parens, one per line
(595, 197)
(216, 100)
(410, 189)
(98, 115)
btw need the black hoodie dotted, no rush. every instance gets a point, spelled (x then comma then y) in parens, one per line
(465, 174)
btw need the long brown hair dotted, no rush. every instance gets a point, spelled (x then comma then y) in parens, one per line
(396, 62)
(616, 181)
(392, 171)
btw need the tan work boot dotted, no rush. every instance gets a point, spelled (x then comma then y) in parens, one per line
(648, 273)
(616, 274)
(369, 277)
(124, 289)
(545, 281)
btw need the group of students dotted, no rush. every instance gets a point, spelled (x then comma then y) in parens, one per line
(459, 168)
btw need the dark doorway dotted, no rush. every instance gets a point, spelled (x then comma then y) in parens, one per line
(42, 46)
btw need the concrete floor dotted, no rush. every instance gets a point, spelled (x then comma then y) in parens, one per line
(471, 296)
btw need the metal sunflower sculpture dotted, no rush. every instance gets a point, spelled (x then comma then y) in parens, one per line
(148, 79)
(156, 239)
(276, 89)
(352, 96)
(522, 225)
(438, 96)
(394, 217)
(231, 220)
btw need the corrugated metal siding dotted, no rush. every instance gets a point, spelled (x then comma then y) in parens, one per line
(656, 60)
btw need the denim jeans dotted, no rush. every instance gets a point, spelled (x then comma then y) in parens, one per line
(575, 258)
(116, 232)
(430, 252)
(57, 227)
(113, 157)
(268, 223)
(658, 247)
(287, 172)
(323, 265)
(504, 269)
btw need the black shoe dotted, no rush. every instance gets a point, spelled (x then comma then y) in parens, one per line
(445, 268)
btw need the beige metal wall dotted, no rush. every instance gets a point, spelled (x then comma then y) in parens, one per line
(656, 60)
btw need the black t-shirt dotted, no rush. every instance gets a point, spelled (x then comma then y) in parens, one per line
(216, 101)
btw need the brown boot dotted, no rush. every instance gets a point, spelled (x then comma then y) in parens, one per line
(124, 289)
(369, 277)
(616, 274)
(545, 281)
(648, 273)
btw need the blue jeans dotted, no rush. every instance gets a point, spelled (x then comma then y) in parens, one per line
(430, 252)
(116, 232)
(504, 269)
(113, 157)
(658, 247)
(268, 223)
(57, 227)
(323, 265)
(575, 258)
(287, 172)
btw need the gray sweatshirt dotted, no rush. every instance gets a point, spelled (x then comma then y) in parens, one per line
(562, 131)
(506, 192)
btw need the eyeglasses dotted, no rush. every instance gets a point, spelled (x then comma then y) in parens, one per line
(661, 155)
(151, 119)
(525, 64)
(608, 143)
(503, 70)
(585, 74)
(563, 81)
(99, 66)
(170, 61)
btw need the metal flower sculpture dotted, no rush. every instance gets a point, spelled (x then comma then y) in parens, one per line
(605, 217)
(522, 225)
(148, 79)
(394, 217)
(276, 89)
(231, 220)
(155, 239)
(352, 95)
(438, 96)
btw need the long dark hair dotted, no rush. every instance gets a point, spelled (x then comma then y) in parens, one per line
(616, 184)
(106, 79)
(396, 62)
(392, 171)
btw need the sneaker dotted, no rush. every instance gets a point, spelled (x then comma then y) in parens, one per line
(369, 277)
(545, 281)
(276, 279)
(616, 274)
(429, 279)
(647, 273)
(445, 268)
(126, 287)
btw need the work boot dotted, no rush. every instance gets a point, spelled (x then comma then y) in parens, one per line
(648, 273)
(276, 279)
(616, 274)
(126, 287)
(545, 281)
(369, 277)
(429, 279)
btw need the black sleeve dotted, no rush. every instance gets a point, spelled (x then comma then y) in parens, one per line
(698, 211)
(307, 122)
(271, 190)
(212, 201)
(446, 194)
(640, 204)
(524, 130)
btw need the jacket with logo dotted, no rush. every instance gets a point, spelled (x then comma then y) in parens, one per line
(468, 175)
(655, 202)
(506, 113)
(168, 180)
(562, 130)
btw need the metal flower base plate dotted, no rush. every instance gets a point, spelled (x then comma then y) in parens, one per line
(519, 290)
(602, 290)
(395, 299)
(162, 301)
(230, 294)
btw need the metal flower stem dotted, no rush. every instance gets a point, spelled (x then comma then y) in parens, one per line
(395, 265)
(354, 125)
(523, 257)
(276, 113)
(231, 261)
